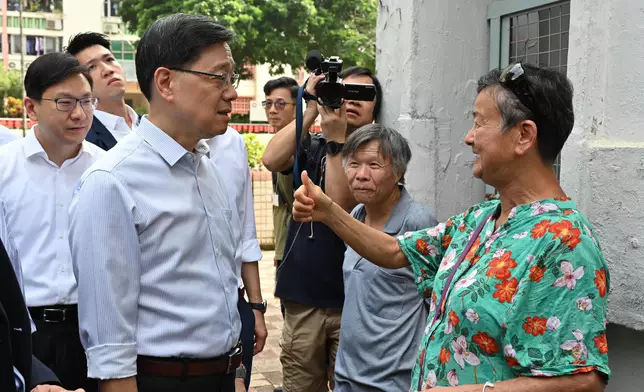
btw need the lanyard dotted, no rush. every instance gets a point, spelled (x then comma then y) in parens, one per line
(440, 307)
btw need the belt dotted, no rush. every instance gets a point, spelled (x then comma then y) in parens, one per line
(55, 314)
(186, 367)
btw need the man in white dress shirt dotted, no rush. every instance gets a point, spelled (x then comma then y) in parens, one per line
(6, 135)
(113, 119)
(152, 229)
(38, 175)
(228, 152)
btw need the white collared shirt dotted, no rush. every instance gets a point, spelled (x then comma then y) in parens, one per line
(116, 124)
(35, 197)
(228, 152)
(6, 135)
(153, 251)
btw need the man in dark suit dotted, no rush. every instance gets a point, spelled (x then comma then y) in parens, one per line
(113, 118)
(19, 370)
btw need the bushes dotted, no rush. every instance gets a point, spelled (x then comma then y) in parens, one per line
(255, 150)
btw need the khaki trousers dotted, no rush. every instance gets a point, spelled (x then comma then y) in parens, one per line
(309, 344)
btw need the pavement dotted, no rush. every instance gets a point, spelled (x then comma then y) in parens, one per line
(267, 369)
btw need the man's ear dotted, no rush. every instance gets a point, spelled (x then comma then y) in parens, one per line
(163, 82)
(30, 107)
(526, 137)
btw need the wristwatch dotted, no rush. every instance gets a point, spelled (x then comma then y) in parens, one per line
(261, 307)
(334, 148)
(240, 372)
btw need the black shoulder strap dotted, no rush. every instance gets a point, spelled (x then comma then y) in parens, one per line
(299, 123)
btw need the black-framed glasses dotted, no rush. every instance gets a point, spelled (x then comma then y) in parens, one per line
(69, 104)
(513, 78)
(280, 104)
(228, 79)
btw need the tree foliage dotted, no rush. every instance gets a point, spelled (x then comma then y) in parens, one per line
(277, 32)
(255, 150)
(10, 84)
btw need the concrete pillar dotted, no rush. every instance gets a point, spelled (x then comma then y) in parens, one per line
(603, 162)
(429, 57)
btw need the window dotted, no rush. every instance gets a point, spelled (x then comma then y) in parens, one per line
(111, 8)
(540, 36)
(123, 50)
(35, 45)
(531, 31)
(36, 5)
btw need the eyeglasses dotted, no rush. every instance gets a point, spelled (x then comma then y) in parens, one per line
(228, 79)
(280, 104)
(69, 104)
(513, 78)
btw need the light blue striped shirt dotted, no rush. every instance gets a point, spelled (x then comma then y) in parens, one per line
(154, 255)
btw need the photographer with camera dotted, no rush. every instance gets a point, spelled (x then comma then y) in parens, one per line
(309, 280)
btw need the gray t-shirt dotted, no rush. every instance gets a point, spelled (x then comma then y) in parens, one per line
(383, 316)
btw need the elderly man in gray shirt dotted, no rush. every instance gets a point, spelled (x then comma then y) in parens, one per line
(383, 316)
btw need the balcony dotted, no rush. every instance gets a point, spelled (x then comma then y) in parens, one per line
(46, 6)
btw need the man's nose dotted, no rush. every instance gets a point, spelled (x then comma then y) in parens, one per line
(78, 112)
(363, 173)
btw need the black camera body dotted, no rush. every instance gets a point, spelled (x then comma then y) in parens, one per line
(331, 91)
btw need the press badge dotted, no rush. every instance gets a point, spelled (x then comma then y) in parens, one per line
(276, 199)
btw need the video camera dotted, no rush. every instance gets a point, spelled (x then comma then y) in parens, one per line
(330, 91)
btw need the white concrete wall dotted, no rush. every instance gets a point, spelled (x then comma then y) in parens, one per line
(81, 16)
(603, 162)
(429, 56)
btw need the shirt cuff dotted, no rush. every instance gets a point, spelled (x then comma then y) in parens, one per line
(251, 252)
(111, 361)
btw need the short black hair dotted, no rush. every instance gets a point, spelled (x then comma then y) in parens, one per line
(49, 70)
(552, 109)
(283, 82)
(360, 71)
(175, 41)
(82, 41)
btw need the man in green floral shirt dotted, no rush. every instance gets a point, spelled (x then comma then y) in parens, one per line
(529, 298)
(517, 286)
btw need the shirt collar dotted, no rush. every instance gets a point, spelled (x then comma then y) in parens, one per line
(542, 207)
(33, 147)
(398, 214)
(110, 120)
(167, 147)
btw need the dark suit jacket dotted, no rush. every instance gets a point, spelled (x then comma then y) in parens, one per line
(15, 334)
(99, 135)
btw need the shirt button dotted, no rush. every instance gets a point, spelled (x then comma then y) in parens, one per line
(61, 236)
(62, 204)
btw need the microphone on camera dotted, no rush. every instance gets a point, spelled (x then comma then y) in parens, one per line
(313, 60)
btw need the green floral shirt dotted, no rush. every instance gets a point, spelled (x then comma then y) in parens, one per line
(529, 299)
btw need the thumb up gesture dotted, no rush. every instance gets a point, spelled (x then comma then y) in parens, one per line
(310, 204)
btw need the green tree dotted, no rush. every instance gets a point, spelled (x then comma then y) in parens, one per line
(277, 32)
(10, 86)
(255, 150)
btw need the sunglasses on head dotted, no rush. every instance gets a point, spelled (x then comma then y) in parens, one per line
(513, 78)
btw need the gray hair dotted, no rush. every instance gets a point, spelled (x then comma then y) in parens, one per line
(511, 109)
(551, 108)
(393, 145)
